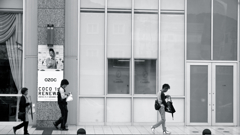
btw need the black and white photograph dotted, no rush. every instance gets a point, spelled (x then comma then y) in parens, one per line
(134, 67)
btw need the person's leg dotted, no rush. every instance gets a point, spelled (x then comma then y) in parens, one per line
(61, 118)
(162, 113)
(161, 121)
(26, 127)
(18, 127)
(66, 115)
(65, 110)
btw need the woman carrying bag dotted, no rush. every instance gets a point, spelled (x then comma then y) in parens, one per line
(24, 107)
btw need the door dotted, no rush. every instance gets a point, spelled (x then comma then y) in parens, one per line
(211, 93)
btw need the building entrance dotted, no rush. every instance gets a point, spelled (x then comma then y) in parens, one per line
(211, 92)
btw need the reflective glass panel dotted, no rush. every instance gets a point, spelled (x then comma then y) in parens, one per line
(199, 94)
(118, 76)
(172, 53)
(224, 94)
(146, 4)
(172, 4)
(145, 35)
(198, 29)
(92, 3)
(145, 76)
(92, 53)
(125, 4)
(119, 35)
(225, 29)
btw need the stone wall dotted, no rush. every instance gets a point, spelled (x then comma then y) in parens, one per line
(50, 12)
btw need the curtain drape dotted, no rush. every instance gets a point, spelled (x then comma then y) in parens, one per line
(11, 32)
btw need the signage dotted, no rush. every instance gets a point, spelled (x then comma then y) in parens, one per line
(50, 71)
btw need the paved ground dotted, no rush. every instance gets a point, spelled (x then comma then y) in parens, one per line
(132, 130)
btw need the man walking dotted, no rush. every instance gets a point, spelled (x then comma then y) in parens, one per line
(161, 100)
(62, 103)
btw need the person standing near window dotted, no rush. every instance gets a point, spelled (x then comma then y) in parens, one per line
(51, 63)
(62, 103)
(24, 106)
(161, 100)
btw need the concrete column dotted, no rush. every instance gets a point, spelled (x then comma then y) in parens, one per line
(50, 12)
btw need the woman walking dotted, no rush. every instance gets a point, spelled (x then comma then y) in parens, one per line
(161, 100)
(24, 107)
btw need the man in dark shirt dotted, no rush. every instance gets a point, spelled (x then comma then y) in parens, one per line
(161, 100)
(62, 96)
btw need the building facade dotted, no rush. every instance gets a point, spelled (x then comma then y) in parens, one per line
(119, 53)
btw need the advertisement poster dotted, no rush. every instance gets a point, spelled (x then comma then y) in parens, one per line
(50, 71)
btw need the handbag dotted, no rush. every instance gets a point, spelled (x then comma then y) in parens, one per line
(170, 108)
(21, 115)
(157, 105)
(69, 98)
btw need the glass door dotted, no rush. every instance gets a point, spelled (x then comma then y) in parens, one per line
(198, 94)
(224, 86)
(211, 93)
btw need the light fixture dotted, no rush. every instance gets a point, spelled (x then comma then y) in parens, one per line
(50, 35)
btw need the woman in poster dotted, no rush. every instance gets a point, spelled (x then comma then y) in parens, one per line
(51, 63)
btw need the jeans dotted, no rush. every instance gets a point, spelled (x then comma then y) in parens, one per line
(163, 119)
(63, 118)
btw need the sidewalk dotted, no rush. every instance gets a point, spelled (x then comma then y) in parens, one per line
(131, 130)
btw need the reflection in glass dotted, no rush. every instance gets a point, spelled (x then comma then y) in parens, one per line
(119, 35)
(199, 94)
(172, 52)
(118, 76)
(225, 29)
(145, 76)
(198, 30)
(146, 4)
(145, 35)
(92, 3)
(92, 53)
(224, 94)
(125, 4)
(8, 107)
(7, 82)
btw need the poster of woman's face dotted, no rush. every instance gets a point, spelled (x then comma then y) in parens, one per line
(50, 58)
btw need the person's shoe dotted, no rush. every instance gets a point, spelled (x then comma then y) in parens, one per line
(153, 130)
(64, 129)
(55, 125)
(14, 130)
(166, 132)
(26, 134)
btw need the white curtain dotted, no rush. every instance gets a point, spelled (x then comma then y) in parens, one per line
(12, 33)
(14, 50)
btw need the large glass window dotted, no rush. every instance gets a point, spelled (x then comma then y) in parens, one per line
(92, 54)
(198, 29)
(11, 53)
(119, 35)
(8, 104)
(145, 76)
(7, 83)
(172, 52)
(225, 29)
(224, 25)
(145, 35)
(118, 76)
